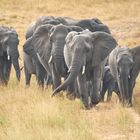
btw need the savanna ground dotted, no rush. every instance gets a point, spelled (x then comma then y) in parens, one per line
(31, 114)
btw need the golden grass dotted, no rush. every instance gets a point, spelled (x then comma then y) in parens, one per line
(32, 114)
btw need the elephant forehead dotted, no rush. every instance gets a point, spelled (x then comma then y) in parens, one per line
(60, 29)
(125, 58)
(81, 39)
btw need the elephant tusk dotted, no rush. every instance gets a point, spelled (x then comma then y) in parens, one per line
(69, 69)
(50, 60)
(129, 76)
(83, 70)
(20, 58)
(21, 68)
(8, 57)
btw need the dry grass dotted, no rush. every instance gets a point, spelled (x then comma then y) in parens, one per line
(32, 114)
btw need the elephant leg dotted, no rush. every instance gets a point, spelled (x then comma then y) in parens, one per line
(48, 80)
(135, 73)
(76, 89)
(97, 85)
(118, 94)
(1, 70)
(6, 71)
(83, 90)
(109, 95)
(27, 76)
(55, 76)
(40, 74)
(71, 93)
(104, 89)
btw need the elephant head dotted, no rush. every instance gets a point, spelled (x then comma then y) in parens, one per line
(127, 66)
(93, 25)
(9, 44)
(39, 46)
(86, 48)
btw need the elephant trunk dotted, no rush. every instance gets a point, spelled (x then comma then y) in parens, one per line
(13, 53)
(16, 67)
(74, 71)
(124, 89)
(57, 52)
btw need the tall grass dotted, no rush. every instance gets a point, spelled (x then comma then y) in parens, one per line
(32, 114)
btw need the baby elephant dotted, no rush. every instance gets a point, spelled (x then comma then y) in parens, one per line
(109, 85)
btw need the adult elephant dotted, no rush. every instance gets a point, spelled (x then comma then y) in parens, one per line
(125, 65)
(57, 62)
(32, 64)
(85, 55)
(8, 53)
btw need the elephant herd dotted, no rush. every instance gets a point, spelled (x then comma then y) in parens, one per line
(80, 57)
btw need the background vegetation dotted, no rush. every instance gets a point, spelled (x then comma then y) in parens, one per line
(32, 114)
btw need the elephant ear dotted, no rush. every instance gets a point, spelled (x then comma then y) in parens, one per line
(1, 50)
(28, 49)
(41, 44)
(103, 44)
(136, 56)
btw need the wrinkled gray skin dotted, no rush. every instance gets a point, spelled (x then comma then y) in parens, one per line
(58, 65)
(109, 85)
(8, 53)
(32, 64)
(30, 57)
(125, 65)
(85, 55)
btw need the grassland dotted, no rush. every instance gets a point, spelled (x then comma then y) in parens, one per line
(31, 114)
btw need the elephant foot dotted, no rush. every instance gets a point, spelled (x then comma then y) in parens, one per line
(86, 106)
(95, 102)
(108, 100)
(102, 100)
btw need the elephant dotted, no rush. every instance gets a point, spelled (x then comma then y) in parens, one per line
(31, 58)
(8, 54)
(124, 66)
(85, 54)
(32, 64)
(109, 85)
(57, 63)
